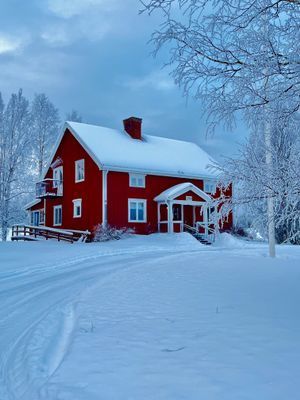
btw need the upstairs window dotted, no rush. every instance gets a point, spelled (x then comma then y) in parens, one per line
(137, 180)
(210, 187)
(137, 210)
(79, 170)
(57, 177)
(77, 208)
(57, 215)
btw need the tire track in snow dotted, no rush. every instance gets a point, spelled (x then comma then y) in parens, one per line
(22, 374)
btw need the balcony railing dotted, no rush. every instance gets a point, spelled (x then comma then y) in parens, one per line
(49, 188)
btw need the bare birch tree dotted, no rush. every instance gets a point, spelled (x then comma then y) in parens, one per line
(14, 149)
(74, 116)
(255, 182)
(44, 129)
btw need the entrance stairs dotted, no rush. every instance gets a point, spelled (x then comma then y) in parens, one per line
(200, 237)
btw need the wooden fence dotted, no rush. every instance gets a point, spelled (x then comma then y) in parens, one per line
(32, 233)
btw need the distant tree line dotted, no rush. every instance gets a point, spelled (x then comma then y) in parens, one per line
(28, 130)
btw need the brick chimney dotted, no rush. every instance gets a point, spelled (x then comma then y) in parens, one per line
(133, 126)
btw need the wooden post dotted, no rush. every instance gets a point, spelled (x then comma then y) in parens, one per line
(205, 219)
(170, 217)
(182, 218)
(158, 217)
(194, 216)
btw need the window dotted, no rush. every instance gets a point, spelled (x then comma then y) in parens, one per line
(58, 179)
(176, 212)
(137, 210)
(79, 170)
(42, 217)
(35, 218)
(57, 176)
(57, 215)
(136, 180)
(77, 208)
(209, 187)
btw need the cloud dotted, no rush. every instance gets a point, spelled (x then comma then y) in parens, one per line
(9, 44)
(62, 34)
(72, 8)
(42, 71)
(73, 20)
(159, 80)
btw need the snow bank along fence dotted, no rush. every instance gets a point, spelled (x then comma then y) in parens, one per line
(32, 233)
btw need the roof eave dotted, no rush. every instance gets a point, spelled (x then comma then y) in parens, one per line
(157, 172)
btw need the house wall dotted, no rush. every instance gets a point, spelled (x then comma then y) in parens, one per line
(37, 207)
(90, 190)
(119, 191)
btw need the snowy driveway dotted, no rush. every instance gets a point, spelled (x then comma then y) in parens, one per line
(148, 320)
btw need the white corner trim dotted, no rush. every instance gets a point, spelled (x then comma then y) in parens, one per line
(104, 197)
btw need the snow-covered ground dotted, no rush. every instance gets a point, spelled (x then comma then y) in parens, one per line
(157, 317)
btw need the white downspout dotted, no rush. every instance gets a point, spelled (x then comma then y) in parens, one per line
(104, 198)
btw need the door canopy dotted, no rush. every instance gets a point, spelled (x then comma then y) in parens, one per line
(174, 192)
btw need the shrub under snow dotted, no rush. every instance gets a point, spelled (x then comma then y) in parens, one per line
(105, 233)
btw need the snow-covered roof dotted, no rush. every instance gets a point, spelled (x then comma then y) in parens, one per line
(32, 203)
(116, 150)
(180, 189)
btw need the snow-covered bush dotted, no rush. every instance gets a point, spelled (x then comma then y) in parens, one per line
(105, 233)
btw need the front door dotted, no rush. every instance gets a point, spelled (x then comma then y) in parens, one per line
(188, 215)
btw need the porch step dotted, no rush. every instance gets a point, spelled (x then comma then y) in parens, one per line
(201, 239)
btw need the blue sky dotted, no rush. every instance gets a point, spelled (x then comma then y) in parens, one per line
(94, 56)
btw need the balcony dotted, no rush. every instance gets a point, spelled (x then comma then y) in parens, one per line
(49, 188)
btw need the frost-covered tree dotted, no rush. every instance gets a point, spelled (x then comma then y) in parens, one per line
(14, 149)
(253, 182)
(44, 129)
(73, 116)
(236, 57)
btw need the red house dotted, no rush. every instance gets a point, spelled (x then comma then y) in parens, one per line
(98, 175)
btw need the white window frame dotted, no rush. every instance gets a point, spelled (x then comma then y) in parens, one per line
(210, 187)
(55, 180)
(76, 203)
(54, 214)
(134, 178)
(145, 210)
(77, 163)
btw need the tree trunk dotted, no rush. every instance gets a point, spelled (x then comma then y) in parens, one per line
(270, 200)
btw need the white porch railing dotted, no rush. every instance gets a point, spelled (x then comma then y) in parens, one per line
(174, 222)
(209, 233)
